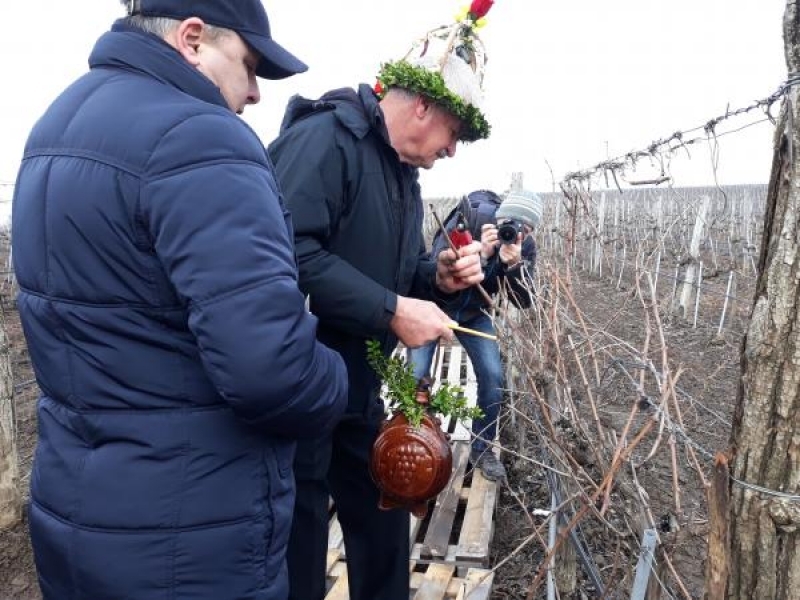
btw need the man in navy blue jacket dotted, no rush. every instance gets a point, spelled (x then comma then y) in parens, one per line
(159, 298)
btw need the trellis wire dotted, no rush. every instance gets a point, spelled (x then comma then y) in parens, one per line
(679, 140)
(676, 429)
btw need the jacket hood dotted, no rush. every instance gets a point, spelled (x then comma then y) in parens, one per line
(357, 110)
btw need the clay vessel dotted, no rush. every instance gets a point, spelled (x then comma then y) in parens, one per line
(410, 465)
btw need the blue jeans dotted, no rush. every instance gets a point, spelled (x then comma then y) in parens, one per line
(485, 357)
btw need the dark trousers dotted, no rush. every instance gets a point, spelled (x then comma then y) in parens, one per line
(376, 541)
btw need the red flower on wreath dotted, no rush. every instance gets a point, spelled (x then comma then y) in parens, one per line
(479, 8)
(378, 89)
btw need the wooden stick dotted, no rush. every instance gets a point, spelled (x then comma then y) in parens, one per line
(718, 496)
(457, 327)
(486, 297)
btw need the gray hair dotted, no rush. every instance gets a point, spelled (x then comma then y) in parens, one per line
(404, 92)
(162, 26)
(408, 95)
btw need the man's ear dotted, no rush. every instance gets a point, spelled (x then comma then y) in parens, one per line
(422, 106)
(186, 38)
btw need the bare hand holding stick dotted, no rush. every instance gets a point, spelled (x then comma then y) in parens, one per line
(458, 254)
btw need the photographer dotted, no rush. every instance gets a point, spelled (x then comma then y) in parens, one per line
(508, 256)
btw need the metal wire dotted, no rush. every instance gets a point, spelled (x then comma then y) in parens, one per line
(680, 140)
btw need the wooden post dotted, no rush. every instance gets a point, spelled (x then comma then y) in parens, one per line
(718, 563)
(615, 234)
(658, 270)
(675, 285)
(564, 566)
(516, 182)
(559, 239)
(601, 228)
(725, 304)
(748, 236)
(645, 565)
(697, 296)
(659, 219)
(694, 253)
(10, 498)
(573, 242)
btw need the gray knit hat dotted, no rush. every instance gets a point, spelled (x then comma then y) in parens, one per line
(523, 206)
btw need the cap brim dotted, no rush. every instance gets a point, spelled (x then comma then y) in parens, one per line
(276, 61)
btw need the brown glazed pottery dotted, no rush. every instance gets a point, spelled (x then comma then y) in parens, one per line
(410, 465)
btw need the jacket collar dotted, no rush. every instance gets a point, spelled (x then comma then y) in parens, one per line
(373, 118)
(373, 111)
(127, 48)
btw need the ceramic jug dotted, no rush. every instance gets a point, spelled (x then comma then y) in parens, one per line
(411, 465)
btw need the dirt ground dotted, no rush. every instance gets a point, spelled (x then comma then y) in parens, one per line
(708, 386)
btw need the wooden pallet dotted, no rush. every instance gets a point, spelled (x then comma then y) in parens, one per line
(459, 526)
(450, 546)
(429, 581)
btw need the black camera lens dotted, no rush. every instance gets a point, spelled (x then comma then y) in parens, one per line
(507, 231)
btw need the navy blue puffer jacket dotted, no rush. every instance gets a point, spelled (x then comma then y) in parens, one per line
(176, 360)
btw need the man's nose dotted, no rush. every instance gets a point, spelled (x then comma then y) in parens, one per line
(254, 94)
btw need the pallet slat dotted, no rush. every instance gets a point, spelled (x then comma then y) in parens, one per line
(478, 525)
(477, 585)
(339, 590)
(443, 516)
(435, 583)
(428, 581)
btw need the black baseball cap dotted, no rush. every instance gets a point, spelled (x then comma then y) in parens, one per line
(246, 17)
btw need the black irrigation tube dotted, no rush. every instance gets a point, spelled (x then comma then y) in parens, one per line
(23, 384)
(589, 566)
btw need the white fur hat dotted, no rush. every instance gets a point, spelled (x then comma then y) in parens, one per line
(447, 65)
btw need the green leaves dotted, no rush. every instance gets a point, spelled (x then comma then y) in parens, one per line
(450, 401)
(401, 388)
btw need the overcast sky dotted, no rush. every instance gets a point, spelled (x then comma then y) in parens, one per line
(568, 81)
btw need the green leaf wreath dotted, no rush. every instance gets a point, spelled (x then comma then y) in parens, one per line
(404, 75)
(401, 387)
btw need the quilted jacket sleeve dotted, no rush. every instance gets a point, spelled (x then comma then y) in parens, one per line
(310, 167)
(221, 232)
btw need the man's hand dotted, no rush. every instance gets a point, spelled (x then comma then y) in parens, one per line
(417, 322)
(488, 240)
(453, 275)
(511, 254)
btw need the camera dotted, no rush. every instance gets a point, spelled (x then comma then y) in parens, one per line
(508, 230)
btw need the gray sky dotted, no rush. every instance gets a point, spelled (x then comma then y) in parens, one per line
(567, 80)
